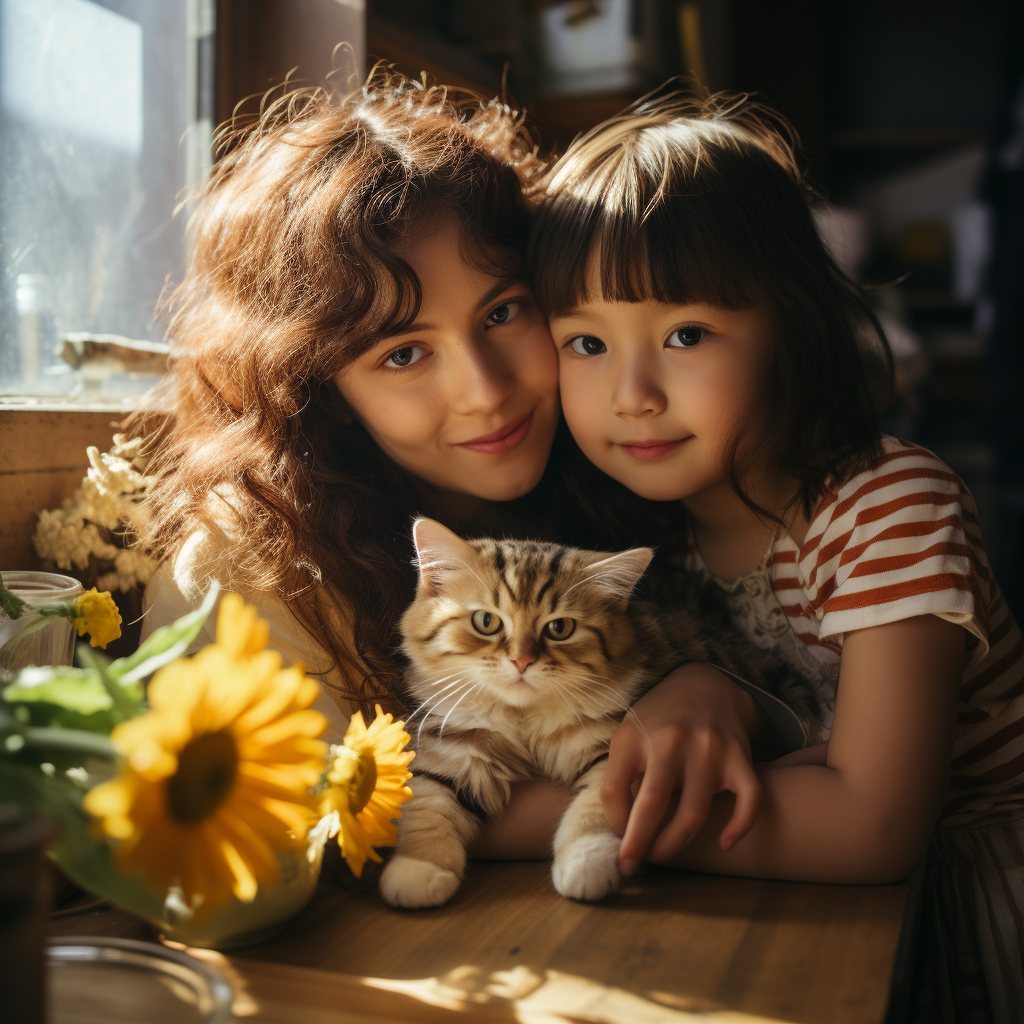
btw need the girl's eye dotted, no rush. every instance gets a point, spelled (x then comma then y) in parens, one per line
(504, 314)
(686, 337)
(486, 623)
(560, 629)
(587, 345)
(405, 356)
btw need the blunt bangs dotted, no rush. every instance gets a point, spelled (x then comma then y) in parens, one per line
(702, 237)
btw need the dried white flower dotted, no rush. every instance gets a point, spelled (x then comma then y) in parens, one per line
(80, 532)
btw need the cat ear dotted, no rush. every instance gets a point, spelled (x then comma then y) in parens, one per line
(617, 575)
(439, 552)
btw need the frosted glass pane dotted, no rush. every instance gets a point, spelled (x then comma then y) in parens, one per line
(73, 65)
(98, 125)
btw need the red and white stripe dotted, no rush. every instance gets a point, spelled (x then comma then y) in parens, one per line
(899, 540)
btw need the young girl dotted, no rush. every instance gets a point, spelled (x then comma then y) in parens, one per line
(708, 352)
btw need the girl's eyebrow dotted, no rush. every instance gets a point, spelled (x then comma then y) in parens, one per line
(499, 286)
(576, 313)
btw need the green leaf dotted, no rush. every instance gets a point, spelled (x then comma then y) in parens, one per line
(71, 696)
(12, 606)
(125, 706)
(90, 863)
(39, 713)
(88, 860)
(164, 644)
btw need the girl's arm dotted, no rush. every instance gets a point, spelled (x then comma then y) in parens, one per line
(867, 814)
(692, 732)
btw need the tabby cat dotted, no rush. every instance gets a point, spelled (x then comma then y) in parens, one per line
(525, 657)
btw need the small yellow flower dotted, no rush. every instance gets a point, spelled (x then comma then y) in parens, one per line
(368, 787)
(97, 614)
(218, 774)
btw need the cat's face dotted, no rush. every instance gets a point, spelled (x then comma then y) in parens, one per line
(520, 623)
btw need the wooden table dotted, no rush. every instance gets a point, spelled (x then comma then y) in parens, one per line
(671, 946)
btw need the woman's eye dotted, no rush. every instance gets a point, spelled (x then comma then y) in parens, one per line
(486, 623)
(405, 356)
(504, 314)
(560, 629)
(587, 345)
(686, 337)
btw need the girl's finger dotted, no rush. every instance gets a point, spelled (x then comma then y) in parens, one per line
(625, 764)
(742, 780)
(646, 816)
(700, 783)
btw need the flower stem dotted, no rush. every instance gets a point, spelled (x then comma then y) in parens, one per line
(122, 702)
(76, 740)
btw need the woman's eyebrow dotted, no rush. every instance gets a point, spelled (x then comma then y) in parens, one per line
(499, 286)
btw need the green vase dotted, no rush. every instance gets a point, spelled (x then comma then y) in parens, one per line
(231, 926)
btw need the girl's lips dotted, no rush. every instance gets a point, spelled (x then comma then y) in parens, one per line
(648, 450)
(502, 440)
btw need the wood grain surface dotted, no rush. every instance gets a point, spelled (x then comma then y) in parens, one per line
(670, 946)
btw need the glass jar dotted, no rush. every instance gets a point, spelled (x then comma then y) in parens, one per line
(54, 643)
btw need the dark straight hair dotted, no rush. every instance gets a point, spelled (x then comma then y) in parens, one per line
(684, 200)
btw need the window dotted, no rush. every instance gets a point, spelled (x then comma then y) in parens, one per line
(106, 109)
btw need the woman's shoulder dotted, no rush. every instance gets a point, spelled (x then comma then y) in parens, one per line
(204, 558)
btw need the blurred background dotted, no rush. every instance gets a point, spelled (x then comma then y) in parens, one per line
(911, 113)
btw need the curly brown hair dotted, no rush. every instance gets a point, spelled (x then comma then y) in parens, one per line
(292, 273)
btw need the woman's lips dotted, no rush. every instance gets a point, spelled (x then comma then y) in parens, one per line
(648, 450)
(502, 440)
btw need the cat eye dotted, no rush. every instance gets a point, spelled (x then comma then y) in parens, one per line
(486, 623)
(560, 629)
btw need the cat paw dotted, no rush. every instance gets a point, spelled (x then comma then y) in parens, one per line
(409, 882)
(588, 868)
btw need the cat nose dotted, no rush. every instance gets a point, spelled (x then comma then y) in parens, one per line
(523, 661)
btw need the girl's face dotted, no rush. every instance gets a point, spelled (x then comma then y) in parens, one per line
(654, 393)
(467, 398)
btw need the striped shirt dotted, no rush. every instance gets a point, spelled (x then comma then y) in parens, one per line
(894, 541)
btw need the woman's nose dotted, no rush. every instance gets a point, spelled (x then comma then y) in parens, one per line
(480, 381)
(637, 391)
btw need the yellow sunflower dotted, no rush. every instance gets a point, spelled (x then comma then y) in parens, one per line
(368, 787)
(96, 613)
(217, 775)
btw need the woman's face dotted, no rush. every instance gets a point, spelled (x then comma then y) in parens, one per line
(466, 399)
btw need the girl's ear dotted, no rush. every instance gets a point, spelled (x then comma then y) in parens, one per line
(439, 553)
(618, 575)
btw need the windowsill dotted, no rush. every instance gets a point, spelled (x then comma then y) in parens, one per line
(66, 403)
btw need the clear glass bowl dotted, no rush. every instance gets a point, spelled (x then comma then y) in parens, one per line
(99, 980)
(54, 644)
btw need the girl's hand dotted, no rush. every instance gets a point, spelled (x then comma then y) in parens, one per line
(692, 733)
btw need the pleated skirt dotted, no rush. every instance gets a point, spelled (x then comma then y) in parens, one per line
(968, 965)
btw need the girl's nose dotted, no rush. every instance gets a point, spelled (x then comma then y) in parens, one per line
(480, 381)
(637, 392)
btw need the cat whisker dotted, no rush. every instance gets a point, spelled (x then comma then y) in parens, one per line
(440, 732)
(433, 695)
(462, 681)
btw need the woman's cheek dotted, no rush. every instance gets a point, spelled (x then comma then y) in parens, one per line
(542, 362)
